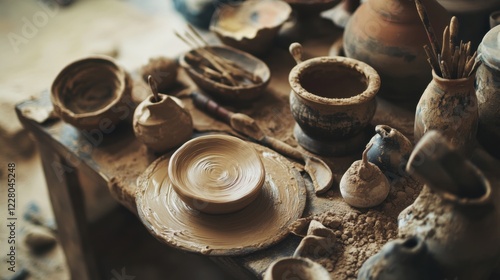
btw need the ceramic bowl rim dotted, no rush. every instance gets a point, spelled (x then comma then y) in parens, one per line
(371, 75)
(186, 193)
(214, 27)
(304, 263)
(121, 74)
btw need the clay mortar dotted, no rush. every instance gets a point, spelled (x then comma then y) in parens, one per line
(333, 98)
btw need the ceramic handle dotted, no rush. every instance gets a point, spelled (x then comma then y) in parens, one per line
(209, 106)
(296, 52)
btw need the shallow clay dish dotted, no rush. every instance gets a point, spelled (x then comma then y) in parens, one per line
(216, 173)
(245, 60)
(91, 91)
(250, 26)
(296, 268)
(262, 223)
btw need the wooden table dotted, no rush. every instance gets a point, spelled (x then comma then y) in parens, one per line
(114, 159)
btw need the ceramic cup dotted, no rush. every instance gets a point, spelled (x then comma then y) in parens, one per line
(332, 99)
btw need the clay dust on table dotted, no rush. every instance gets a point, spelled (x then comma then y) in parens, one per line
(361, 233)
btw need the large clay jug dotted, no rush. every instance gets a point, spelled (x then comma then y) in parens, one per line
(389, 36)
(457, 213)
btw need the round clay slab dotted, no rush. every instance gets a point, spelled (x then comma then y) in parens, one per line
(262, 223)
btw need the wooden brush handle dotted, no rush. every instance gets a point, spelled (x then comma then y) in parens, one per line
(209, 106)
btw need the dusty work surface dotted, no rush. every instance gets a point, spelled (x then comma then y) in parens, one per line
(119, 158)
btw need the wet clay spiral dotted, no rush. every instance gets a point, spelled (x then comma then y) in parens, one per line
(216, 174)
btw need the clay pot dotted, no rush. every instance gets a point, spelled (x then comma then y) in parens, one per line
(332, 99)
(390, 151)
(488, 92)
(91, 93)
(363, 184)
(388, 35)
(296, 268)
(450, 107)
(457, 212)
(216, 174)
(162, 124)
(407, 259)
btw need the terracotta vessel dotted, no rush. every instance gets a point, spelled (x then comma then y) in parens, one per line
(457, 213)
(91, 93)
(161, 122)
(388, 35)
(390, 151)
(216, 174)
(488, 92)
(296, 268)
(407, 259)
(363, 184)
(449, 106)
(332, 100)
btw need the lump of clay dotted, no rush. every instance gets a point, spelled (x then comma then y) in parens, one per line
(318, 242)
(161, 122)
(363, 184)
(40, 240)
(163, 70)
(400, 259)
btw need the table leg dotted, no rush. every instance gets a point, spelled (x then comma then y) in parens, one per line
(69, 210)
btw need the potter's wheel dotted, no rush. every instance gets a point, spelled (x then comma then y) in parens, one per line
(261, 224)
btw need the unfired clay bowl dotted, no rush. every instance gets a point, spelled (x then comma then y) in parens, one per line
(250, 26)
(216, 174)
(241, 93)
(333, 98)
(88, 93)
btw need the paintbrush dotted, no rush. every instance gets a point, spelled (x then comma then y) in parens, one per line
(431, 36)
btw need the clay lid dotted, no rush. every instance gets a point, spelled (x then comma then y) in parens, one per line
(489, 49)
(216, 173)
(262, 223)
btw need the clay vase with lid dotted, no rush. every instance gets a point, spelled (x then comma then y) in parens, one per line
(457, 213)
(407, 259)
(488, 92)
(450, 107)
(388, 35)
(161, 122)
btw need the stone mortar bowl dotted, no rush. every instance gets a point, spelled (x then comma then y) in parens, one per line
(216, 174)
(91, 93)
(333, 98)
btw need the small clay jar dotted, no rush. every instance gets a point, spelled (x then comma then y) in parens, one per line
(161, 122)
(296, 268)
(457, 213)
(363, 184)
(388, 35)
(407, 259)
(390, 151)
(450, 107)
(488, 92)
(332, 98)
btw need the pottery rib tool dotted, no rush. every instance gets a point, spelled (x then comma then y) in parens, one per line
(320, 173)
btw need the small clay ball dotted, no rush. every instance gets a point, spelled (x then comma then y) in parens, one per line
(364, 190)
(163, 70)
